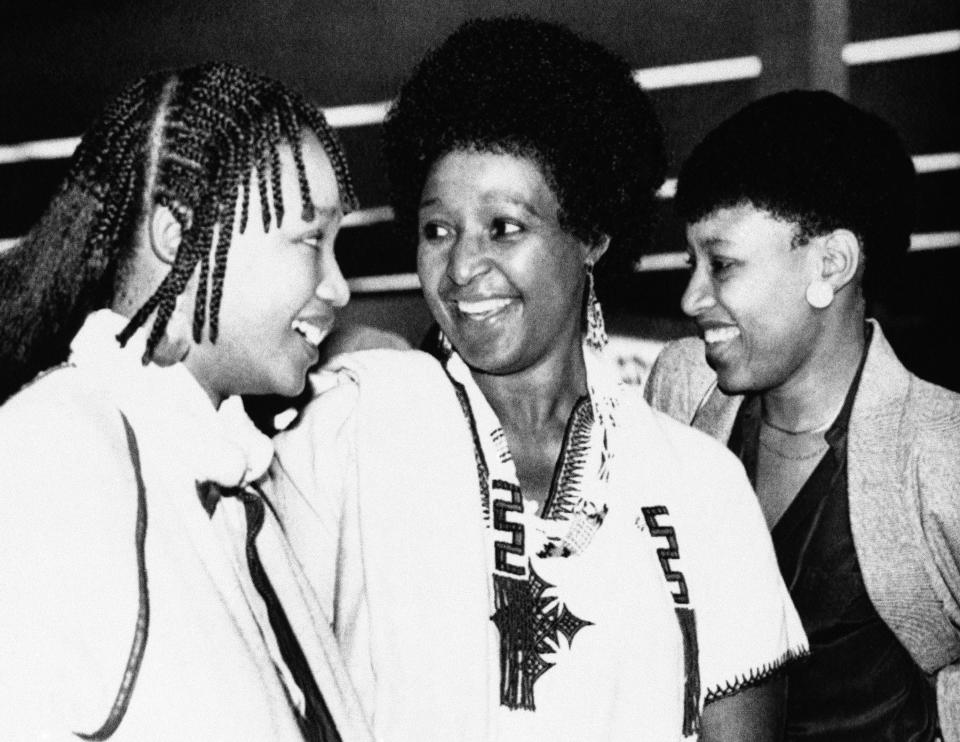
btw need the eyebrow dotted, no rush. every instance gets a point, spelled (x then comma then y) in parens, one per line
(487, 198)
(711, 242)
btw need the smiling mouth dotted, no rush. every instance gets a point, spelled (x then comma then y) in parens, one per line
(482, 309)
(312, 333)
(715, 335)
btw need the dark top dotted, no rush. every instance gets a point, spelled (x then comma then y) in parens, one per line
(859, 683)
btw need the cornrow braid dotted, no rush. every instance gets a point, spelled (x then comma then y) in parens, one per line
(187, 140)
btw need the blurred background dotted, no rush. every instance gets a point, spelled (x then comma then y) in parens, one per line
(701, 61)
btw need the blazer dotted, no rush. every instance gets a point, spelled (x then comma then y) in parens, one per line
(903, 461)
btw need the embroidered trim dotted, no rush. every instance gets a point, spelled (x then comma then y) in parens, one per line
(755, 677)
(483, 473)
(516, 530)
(672, 551)
(564, 491)
(691, 670)
(139, 644)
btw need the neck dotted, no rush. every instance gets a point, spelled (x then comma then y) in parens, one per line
(813, 397)
(537, 396)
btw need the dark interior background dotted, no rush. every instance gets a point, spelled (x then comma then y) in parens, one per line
(61, 62)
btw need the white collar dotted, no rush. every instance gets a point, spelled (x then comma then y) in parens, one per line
(168, 403)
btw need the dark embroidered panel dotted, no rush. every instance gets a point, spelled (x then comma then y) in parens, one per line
(672, 551)
(686, 616)
(500, 523)
(529, 626)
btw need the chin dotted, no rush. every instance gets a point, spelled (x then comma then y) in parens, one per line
(288, 384)
(731, 382)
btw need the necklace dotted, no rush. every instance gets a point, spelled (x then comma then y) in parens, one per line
(799, 445)
(806, 456)
(817, 429)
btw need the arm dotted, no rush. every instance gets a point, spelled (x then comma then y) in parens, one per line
(755, 714)
(67, 554)
(312, 479)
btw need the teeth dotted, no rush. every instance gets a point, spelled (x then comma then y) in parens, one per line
(482, 307)
(720, 334)
(311, 333)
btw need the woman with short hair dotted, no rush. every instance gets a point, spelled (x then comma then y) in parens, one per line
(522, 550)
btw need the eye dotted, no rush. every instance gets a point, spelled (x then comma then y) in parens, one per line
(720, 267)
(501, 228)
(433, 232)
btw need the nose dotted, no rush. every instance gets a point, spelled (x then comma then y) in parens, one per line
(698, 296)
(467, 259)
(333, 287)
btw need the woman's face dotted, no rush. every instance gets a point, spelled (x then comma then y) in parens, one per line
(280, 290)
(502, 278)
(747, 294)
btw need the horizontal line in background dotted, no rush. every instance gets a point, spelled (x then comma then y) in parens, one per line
(361, 114)
(379, 284)
(935, 163)
(370, 114)
(901, 47)
(699, 73)
(379, 214)
(664, 261)
(934, 241)
(365, 217)
(44, 149)
(669, 261)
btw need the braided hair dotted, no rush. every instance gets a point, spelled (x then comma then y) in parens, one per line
(186, 140)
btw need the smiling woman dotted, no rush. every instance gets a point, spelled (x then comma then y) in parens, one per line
(506, 514)
(188, 257)
(797, 208)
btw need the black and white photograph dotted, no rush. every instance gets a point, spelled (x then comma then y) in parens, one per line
(405, 370)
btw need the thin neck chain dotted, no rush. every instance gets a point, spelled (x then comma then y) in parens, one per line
(819, 451)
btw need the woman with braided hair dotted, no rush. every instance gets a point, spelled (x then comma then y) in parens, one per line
(186, 259)
(511, 545)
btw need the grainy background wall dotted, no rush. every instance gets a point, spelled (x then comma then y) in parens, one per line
(899, 58)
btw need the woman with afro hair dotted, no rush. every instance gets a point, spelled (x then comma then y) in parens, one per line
(523, 550)
(148, 590)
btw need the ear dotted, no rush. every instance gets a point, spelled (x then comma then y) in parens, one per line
(597, 249)
(840, 258)
(165, 234)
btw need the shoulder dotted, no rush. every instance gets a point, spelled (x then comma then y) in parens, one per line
(62, 416)
(352, 384)
(679, 378)
(701, 461)
(935, 409)
(69, 506)
(934, 422)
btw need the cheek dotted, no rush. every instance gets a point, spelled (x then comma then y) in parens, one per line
(431, 266)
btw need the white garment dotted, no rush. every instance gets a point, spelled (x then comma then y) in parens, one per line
(211, 667)
(379, 477)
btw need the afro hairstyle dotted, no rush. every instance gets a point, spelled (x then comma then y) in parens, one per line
(515, 85)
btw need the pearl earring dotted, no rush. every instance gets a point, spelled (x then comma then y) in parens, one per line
(819, 294)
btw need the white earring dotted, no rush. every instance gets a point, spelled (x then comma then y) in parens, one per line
(596, 331)
(819, 294)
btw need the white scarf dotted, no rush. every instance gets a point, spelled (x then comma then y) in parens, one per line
(513, 539)
(216, 445)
